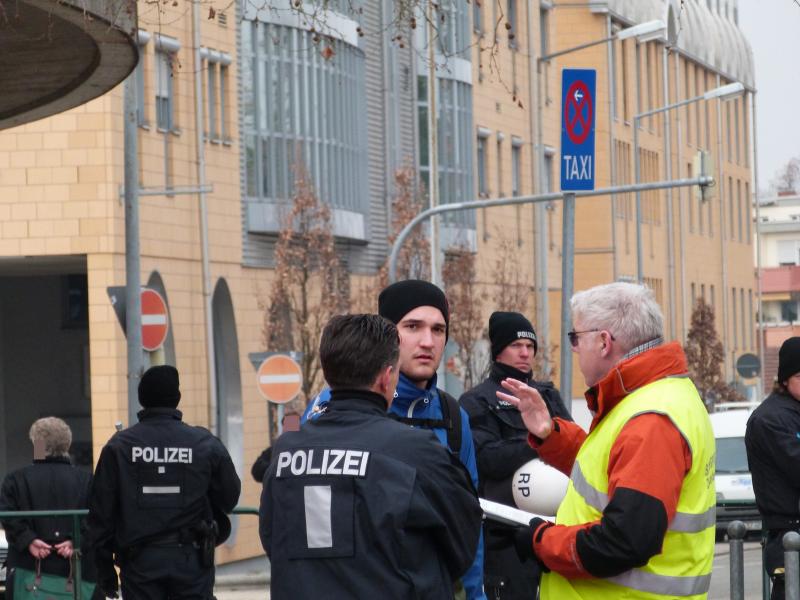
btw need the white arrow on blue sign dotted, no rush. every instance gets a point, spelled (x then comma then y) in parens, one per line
(578, 109)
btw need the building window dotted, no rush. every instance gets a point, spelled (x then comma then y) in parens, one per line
(750, 319)
(787, 253)
(713, 297)
(698, 73)
(748, 212)
(499, 164)
(511, 19)
(728, 130)
(477, 19)
(165, 65)
(730, 210)
(746, 130)
(736, 130)
(141, 117)
(739, 209)
(733, 312)
(454, 38)
(455, 149)
(613, 78)
(223, 103)
(547, 183)
(694, 295)
(700, 206)
(648, 74)
(544, 29)
(691, 199)
(709, 207)
(743, 320)
(707, 107)
(483, 188)
(302, 112)
(625, 103)
(164, 91)
(516, 169)
(788, 311)
(687, 78)
(216, 88)
(621, 167)
(211, 96)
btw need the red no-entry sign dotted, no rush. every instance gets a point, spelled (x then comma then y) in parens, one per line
(155, 321)
(280, 378)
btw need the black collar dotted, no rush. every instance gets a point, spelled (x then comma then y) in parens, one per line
(158, 412)
(500, 371)
(350, 398)
(65, 460)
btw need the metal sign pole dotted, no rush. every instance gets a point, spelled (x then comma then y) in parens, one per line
(133, 311)
(567, 285)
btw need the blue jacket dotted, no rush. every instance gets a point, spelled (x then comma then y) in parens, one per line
(411, 401)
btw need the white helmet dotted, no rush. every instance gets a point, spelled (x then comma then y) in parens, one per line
(539, 488)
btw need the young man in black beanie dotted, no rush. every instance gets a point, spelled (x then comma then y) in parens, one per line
(159, 500)
(421, 313)
(773, 453)
(501, 442)
(397, 519)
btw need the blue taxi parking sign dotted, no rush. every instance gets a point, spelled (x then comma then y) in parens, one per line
(578, 108)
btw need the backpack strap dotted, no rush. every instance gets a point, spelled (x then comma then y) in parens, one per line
(452, 414)
(450, 421)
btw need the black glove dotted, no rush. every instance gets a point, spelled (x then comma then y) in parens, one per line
(521, 538)
(109, 585)
(106, 574)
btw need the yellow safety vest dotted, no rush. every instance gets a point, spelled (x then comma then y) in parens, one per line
(683, 568)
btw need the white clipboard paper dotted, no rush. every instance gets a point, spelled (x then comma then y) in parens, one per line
(505, 514)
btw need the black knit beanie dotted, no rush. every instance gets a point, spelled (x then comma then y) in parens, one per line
(507, 327)
(159, 387)
(400, 298)
(789, 359)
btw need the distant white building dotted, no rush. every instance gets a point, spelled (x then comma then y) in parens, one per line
(779, 241)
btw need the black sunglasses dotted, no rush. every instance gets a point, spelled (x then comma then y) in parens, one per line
(573, 336)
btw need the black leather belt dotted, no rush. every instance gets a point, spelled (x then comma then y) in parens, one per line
(173, 538)
(780, 522)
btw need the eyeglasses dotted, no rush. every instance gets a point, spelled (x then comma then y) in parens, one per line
(573, 336)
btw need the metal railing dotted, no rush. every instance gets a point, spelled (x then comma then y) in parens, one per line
(77, 515)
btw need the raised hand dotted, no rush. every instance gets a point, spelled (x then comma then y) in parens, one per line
(530, 405)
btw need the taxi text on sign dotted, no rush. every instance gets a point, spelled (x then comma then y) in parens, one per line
(578, 109)
(280, 378)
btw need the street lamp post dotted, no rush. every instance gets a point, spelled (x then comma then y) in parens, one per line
(644, 32)
(725, 92)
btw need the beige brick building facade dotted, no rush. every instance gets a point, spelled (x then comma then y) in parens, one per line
(62, 217)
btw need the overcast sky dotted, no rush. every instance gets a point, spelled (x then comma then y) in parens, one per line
(773, 29)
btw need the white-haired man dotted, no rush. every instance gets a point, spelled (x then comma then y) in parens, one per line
(638, 518)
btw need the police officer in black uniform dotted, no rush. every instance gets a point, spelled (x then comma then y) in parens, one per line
(158, 500)
(773, 453)
(357, 505)
(501, 444)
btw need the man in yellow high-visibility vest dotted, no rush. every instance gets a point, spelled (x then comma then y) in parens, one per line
(638, 520)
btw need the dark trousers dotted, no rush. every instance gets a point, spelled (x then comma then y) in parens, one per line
(778, 588)
(166, 573)
(505, 577)
(773, 559)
